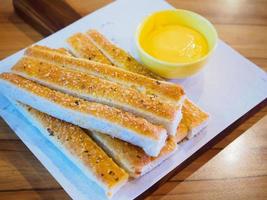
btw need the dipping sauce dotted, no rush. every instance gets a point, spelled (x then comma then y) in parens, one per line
(175, 44)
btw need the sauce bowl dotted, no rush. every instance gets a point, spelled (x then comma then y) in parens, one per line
(175, 17)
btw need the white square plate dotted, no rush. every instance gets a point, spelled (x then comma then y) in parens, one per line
(227, 88)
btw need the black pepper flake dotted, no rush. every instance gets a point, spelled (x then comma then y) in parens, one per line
(89, 58)
(29, 109)
(157, 82)
(51, 133)
(86, 151)
(113, 89)
(128, 58)
(141, 101)
(111, 173)
(116, 179)
(102, 174)
(138, 156)
(77, 102)
(40, 63)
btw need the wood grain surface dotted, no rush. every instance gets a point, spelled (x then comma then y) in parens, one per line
(46, 16)
(238, 171)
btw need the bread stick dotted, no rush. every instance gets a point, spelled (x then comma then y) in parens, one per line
(169, 91)
(76, 145)
(99, 90)
(89, 115)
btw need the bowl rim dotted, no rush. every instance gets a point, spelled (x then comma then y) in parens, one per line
(171, 64)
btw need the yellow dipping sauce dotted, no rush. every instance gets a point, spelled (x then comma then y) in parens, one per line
(175, 44)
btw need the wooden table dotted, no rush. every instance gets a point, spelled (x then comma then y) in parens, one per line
(238, 171)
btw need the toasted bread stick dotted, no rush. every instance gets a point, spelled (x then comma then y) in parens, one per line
(169, 91)
(76, 145)
(100, 90)
(89, 115)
